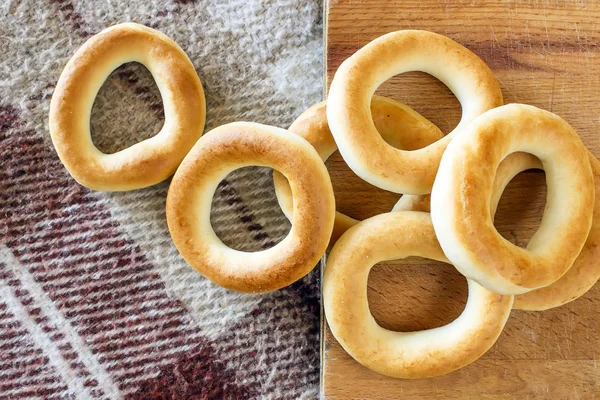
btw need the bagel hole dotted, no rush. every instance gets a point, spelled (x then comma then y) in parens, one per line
(521, 207)
(426, 95)
(245, 213)
(128, 109)
(415, 294)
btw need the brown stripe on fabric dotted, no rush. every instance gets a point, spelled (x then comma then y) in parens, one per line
(112, 314)
(115, 347)
(120, 328)
(33, 366)
(295, 310)
(116, 335)
(116, 271)
(13, 346)
(66, 10)
(101, 318)
(130, 74)
(22, 362)
(127, 292)
(5, 325)
(40, 387)
(198, 373)
(245, 214)
(9, 118)
(34, 311)
(76, 256)
(66, 230)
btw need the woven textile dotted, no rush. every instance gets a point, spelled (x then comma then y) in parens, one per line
(95, 301)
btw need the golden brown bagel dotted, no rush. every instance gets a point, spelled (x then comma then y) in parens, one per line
(152, 160)
(463, 191)
(189, 200)
(507, 170)
(350, 120)
(399, 125)
(413, 202)
(418, 354)
(585, 271)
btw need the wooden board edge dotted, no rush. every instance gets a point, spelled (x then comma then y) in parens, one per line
(323, 328)
(325, 44)
(322, 321)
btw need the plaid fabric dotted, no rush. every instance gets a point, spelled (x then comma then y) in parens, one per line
(95, 301)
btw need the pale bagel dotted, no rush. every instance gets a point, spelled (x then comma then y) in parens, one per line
(418, 354)
(413, 202)
(354, 83)
(507, 170)
(398, 124)
(152, 160)
(462, 196)
(585, 271)
(189, 200)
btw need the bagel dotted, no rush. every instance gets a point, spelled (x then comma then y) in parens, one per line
(585, 271)
(145, 163)
(189, 200)
(399, 125)
(413, 202)
(507, 170)
(354, 83)
(463, 191)
(418, 354)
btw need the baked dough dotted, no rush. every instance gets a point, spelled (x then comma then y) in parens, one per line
(585, 272)
(463, 192)
(189, 201)
(398, 124)
(152, 160)
(418, 354)
(351, 122)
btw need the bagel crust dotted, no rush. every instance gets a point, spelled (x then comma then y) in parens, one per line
(413, 202)
(411, 355)
(463, 193)
(152, 160)
(398, 124)
(189, 201)
(351, 122)
(585, 271)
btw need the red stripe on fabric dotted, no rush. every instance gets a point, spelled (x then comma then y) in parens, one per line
(127, 320)
(65, 348)
(123, 264)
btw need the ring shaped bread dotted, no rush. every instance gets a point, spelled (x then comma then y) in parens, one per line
(462, 196)
(417, 354)
(189, 201)
(354, 83)
(510, 167)
(399, 125)
(585, 271)
(413, 202)
(152, 160)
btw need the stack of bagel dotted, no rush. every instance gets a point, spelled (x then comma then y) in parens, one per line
(450, 188)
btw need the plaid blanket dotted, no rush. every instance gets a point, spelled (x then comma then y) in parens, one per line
(95, 301)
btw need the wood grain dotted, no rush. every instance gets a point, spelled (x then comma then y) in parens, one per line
(544, 53)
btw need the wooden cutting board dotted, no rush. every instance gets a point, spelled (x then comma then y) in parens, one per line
(544, 53)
